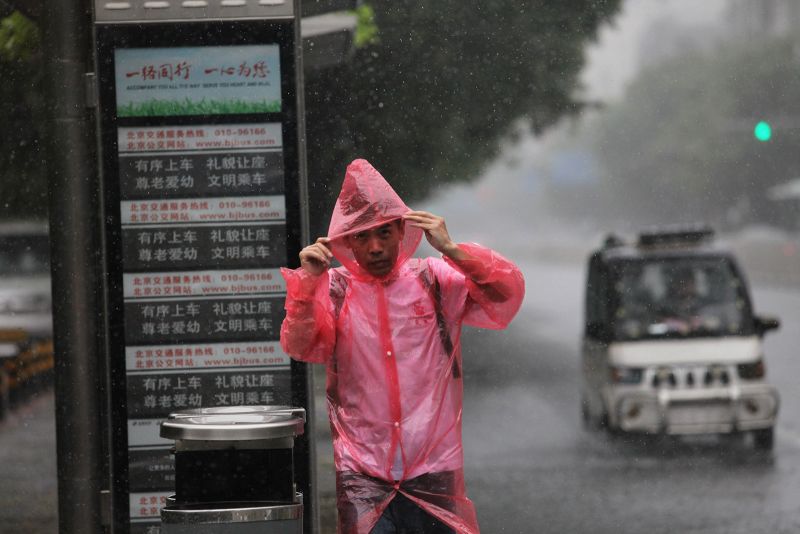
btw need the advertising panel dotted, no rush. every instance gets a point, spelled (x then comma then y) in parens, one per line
(198, 80)
(229, 245)
(201, 173)
(203, 232)
(200, 161)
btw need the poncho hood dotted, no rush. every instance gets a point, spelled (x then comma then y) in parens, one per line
(366, 201)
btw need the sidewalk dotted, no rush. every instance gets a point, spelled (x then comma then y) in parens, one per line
(28, 483)
(326, 478)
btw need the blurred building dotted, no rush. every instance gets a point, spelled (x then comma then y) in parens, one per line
(777, 18)
(669, 37)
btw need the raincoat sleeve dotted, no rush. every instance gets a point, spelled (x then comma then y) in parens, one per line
(495, 287)
(308, 332)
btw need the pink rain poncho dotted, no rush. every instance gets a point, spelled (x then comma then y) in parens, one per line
(393, 355)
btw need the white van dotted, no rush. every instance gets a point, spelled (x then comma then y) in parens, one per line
(671, 344)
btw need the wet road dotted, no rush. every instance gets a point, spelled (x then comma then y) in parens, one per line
(530, 465)
(28, 489)
(532, 468)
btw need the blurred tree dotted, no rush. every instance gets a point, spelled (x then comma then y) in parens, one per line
(23, 185)
(429, 99)
(681, 142)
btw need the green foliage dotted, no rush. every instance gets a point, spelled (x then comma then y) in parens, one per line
(366, 29)
(430, 102)
(19, 37)
(23, 185)
(682, 140)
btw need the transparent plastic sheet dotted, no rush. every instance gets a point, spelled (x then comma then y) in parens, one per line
(496, 287)
(393, 352)
(309, 328)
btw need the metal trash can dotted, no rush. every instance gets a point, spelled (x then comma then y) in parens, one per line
(234, 471)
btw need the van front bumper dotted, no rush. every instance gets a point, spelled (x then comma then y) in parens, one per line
(701, 411)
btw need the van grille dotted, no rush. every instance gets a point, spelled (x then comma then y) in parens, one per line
(691, 377)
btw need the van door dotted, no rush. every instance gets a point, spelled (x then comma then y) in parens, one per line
(596, 337)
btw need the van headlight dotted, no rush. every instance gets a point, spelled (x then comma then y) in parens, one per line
(626, 375)
(638, 414)
(755, 407)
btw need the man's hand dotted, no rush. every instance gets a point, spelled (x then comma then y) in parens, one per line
(316, 258)
(435, 232)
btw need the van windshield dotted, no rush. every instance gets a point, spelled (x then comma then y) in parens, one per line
(680, 297)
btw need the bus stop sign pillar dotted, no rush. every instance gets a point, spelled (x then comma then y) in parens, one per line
(234, 471)
(203, 202)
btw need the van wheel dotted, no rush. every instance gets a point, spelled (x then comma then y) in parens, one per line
(612, 431)
(605, 424)
(764, 439)
(589, 422)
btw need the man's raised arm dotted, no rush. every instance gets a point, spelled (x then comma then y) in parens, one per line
(308, 332)
(495, 284)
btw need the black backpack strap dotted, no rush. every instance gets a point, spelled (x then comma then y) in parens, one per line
(431, 285)
(337, 290)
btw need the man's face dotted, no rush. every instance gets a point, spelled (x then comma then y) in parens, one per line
(682, 287)
(376, 249)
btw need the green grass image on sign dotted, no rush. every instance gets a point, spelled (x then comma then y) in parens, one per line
(154, 108)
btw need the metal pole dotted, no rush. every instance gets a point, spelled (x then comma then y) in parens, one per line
(73, 191)
(308, 441)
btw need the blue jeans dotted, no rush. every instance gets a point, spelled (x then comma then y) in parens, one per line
(403, 516)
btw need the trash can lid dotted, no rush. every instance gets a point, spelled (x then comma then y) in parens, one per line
(234, 423)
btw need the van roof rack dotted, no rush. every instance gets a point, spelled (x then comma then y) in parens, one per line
(613, 240)
(676, 235)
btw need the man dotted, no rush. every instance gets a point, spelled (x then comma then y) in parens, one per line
(682, 307)
(681, 293)
(388, 327)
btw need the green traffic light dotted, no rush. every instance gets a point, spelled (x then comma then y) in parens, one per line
(763, 131)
